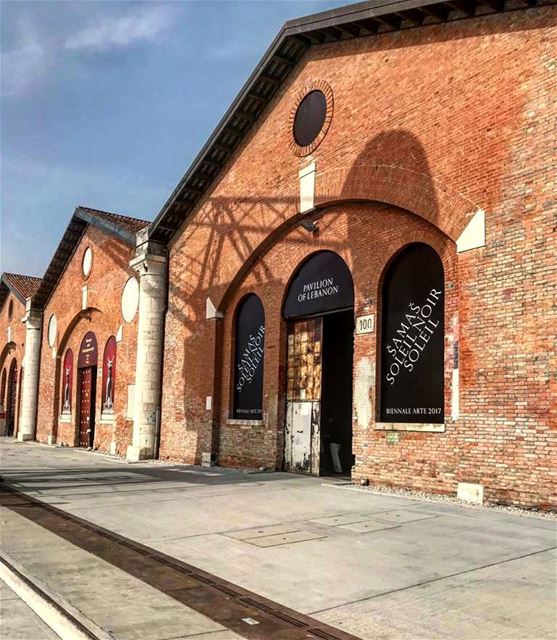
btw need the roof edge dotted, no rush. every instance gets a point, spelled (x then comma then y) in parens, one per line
(11, 287)
(105, 225)
(362, 19)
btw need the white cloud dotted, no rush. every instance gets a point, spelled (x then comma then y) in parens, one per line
(24, 65)
(114, 32)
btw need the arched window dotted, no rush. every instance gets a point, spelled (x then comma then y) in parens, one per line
(3, 388)
(412, 338)
(11, 403)
(248, 359)
(67, 382)
(109, 374)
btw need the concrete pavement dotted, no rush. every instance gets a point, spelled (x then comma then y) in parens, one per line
(18, 621)
(375, 566)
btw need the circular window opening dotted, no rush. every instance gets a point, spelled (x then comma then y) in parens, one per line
(87, 261)
(52, 330)
(310, 118)
(10, 310)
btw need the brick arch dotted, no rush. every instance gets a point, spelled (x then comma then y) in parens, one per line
(84, 314)
(408, 189)
(8, 348)
(330, 200)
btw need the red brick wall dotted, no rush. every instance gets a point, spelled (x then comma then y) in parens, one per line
(437, 121)
(12, 348)
(105, 283)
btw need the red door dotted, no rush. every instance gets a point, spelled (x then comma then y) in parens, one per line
(87, 388)
(12, 401)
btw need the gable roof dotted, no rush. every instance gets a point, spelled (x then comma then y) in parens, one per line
(123, 227)
(114, 223)
(294, 39)
(21, 286)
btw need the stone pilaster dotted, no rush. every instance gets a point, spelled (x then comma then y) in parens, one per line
(152, 269)
(31, 366)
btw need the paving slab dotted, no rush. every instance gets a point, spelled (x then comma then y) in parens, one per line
(367, 526)
(401, 516)
(285, 538)
(260, 532)
(373, 584)
(466, 606)
(335, 521)
(119, 603)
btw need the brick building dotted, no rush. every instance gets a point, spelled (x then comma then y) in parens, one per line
(88, 299)
(79, 337)
(15, 290)
(356, 275)
(413, 142)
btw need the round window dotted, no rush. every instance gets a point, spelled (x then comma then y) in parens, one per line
(130, 299)
(87, 261)
(52, 330)
(310, 118)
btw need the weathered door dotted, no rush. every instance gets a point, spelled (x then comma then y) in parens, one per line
(303, 398)
(12, 401)
(87, 385)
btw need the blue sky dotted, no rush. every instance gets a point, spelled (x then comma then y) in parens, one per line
(106, 104)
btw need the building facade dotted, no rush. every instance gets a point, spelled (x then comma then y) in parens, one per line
(87, 304)
(356, 276)
(413, 168)
(15, 290)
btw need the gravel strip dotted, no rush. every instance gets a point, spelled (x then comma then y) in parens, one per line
(429, 497)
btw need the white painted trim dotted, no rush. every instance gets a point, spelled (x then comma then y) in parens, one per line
(307, 188)
(304, 171)
(211, 312)
(409, 426)
(455, 398)
(238, 422)
(473, 236)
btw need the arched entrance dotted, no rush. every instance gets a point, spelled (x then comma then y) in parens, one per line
(319, 310)
(11, 403)
(87, 390)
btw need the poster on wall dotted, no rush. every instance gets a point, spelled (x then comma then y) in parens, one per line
(322, 284)
(412, 338)
(248, 360)
(88, 353)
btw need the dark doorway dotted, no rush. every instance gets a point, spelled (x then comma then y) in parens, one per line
(87, 397)
(12, 400)
(319, 309)
(336, 394)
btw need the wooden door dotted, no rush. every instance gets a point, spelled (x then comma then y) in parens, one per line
(87, 387)
(12, 401)
(303, 397)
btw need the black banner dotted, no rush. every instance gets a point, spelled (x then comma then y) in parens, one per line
(323, 283)
(88, 353)
(412, 323)
(248, 361)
